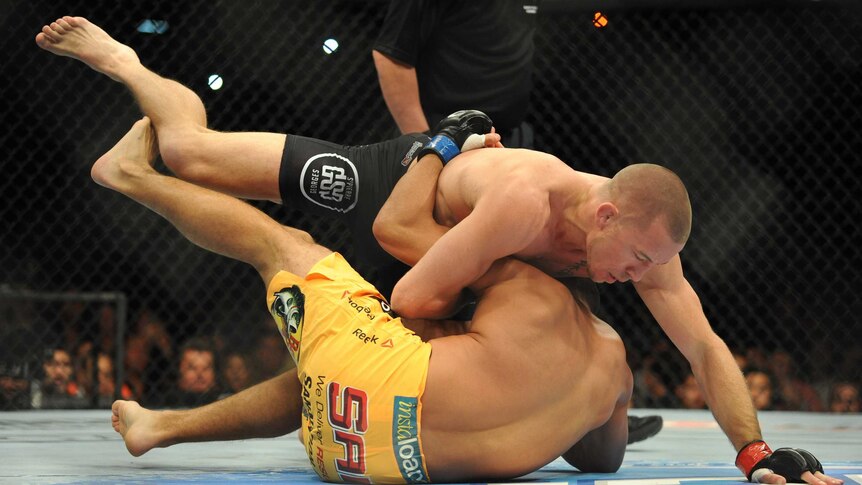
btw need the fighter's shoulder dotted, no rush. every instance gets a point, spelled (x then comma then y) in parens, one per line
(530, 280)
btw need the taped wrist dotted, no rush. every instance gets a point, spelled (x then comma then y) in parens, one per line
(459, 132)
(756, 460)
(750, 455)
(442, 146)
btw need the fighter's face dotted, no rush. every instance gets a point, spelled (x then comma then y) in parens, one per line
(58, 370)
(197, 371)
(620, 253)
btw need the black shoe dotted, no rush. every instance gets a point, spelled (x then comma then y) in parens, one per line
(643, 427)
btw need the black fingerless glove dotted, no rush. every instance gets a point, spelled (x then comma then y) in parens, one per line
(790, 463)
(451, 134)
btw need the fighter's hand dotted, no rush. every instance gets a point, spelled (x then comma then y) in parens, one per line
(493, 139)
(816, 478)
(459, 132)
(761, 465)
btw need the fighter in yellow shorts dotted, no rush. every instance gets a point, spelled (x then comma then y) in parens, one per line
(360, 412)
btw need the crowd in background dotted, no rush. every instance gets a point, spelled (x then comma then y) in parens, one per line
(162, 369)
(663, 379)
(73, 366)
(167, 365)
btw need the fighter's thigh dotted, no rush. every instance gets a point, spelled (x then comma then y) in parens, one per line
(296, 252)
(243, 164)
(346, 182)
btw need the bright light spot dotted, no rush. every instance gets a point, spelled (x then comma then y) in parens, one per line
(330, 46)
(599, 20)
(216, 82)
(152, 26)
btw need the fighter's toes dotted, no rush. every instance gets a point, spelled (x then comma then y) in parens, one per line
(50, 34)
(75, 21)
(64, 24)
(42, 40)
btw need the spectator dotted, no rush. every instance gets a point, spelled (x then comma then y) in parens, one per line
(149, 350)
(83, 363)
(739, 357)
(106, 322)
(236, 372)
(137, 361)
(760, 385)
(196, 381)
(108, 382)
(689, 394)
(56, 389)
(793, 393)
(756, 357)
(437, 57)
(16, 366)
(105, 377)
(658, 378)
(271, 358)
(844, 398)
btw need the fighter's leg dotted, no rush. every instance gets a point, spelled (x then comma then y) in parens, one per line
(212, 220)
(269, 409)
(241, 164)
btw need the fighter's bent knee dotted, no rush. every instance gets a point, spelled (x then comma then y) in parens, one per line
(182, 154)
(299, 235)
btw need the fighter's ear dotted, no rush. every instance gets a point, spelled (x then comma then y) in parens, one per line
(605, 213)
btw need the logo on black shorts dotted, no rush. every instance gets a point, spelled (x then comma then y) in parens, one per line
(411, 154)
(288, 309)
(330, 180)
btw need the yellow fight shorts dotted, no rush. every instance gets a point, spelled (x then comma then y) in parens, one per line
(362, 372)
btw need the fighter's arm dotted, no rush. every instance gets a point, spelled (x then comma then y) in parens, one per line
(502, 223)
(405, 226)
(602, 449)
(400, 88)
(677, 308)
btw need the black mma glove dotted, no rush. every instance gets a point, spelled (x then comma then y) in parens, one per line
(461, 131)
(756, 459)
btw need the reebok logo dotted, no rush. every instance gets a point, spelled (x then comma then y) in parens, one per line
(364, 337)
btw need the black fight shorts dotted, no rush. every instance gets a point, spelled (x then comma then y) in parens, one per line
(349, 183)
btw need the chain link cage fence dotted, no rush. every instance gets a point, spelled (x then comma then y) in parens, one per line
(757, 107)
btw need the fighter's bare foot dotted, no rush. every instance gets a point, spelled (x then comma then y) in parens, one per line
(133, 155)
(78, 38)
(137, 425)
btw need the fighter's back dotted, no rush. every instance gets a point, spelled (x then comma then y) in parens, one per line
(535, 373)
(471, 174)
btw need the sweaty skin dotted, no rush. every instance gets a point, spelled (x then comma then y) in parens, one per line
(564, 377)
(473, 174)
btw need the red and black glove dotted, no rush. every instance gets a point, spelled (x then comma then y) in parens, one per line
(756, 460)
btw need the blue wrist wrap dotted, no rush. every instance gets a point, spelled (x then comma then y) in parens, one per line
(444, 147)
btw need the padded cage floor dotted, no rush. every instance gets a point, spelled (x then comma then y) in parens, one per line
(81, 447)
